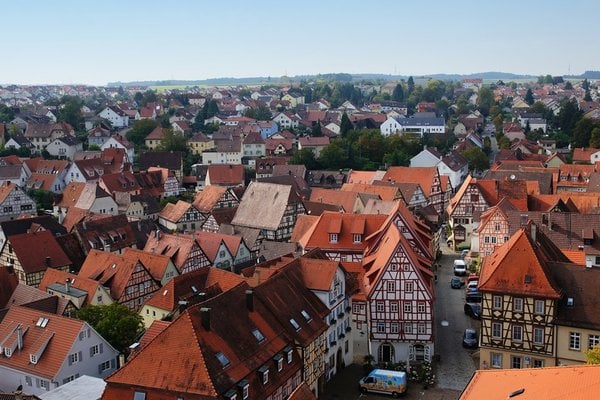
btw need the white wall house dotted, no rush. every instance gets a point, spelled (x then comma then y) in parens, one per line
(116, 116)
(419, 126)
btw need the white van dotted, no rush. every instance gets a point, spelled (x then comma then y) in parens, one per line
(460, 268)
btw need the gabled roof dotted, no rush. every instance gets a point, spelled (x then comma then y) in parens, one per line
(387, 193)
(519, 267)
(174, 212)
(172, 160)
(365, 177)
(226, 174)
(177, 246)
(55, 277)
(156, 264)
(263, 205)
(424, 176)
(60, 333)
(210, 242)
(564, 382)
(207, 199)
(48, 252)
(343, 199)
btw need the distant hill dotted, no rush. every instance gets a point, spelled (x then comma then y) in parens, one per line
(342, 77)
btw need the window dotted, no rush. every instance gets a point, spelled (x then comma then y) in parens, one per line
(496, 227)
(408, 286)
(73, 358)
(538, 335)
(496, 360)
(517, 333)
(279, 363)
(408, 328)
(28, 381)
(33, 358)
(394, 327)
(289, 354)
(515, 362)
(95, 349)
(421, 308)
(497, 303)
(104, 366)
(394, 306)
(44, 384)
(421, 329)
(258, 335)
(381, 327)
(357, 238)
(294, 324)
(245, 391)
(333, 238)
(593, 340)
(575, 341)
(139, 395)
(518, 304)
(265, 374)
(496, 330)
(391, 286)
(539, 307)
(407, 307)
(380, 307)
(355, 308)
(222, 359)
(537, 363)
(486, 239)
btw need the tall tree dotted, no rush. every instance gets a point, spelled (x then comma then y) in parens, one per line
(398, 93)
(595, 138)
(6, 113)
(345, 124)
(529, 97)
(316, 130)
(139, 130)
(592, 356)
(476, 158)
(115, 322)
(71, 111)
(568, 85)
(304, 157)
(485, 100)
(410, 83)
(569, 115)
(172, 141)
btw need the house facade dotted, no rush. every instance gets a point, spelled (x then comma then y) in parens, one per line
(14, 202)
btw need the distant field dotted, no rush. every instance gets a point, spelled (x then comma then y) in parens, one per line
(171, 87)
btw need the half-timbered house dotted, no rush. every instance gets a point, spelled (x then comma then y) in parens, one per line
(180, 217)
(14, 202)
(183, 249)
(427, 177)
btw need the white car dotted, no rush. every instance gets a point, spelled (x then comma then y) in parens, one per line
(460, 268)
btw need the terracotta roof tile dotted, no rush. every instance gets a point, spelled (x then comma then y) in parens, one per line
(177, 246)
(344, 200)
(48, 252)
(207, 199)
(174, 212)
(424, 176)
(53, 276)
(226, 175)
(387, 193)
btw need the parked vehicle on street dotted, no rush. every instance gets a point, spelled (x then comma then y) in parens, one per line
(473, 310)
(464, 253)
(384, 381)
(456, 282)
(460, 268)
(470, 339)
(472, 278)
(472, 286)
(473, 297)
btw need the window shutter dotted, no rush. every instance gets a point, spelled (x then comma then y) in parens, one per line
(99, 369)
(37, 382)
(80, 357)
(92, 351)
(89, 333)
(112, 363)
(101, 348)
(70, 360)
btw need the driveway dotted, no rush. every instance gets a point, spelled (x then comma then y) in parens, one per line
(456, 364)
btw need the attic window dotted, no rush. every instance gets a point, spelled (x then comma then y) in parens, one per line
(194, 289)
(33, 359)
(333, 238)
(222, 359)
(294, 324)
(42, 322)
(570, 302)
(231, 395)
(264, 371)
(527, 278)
(258, 335)
(305, 315)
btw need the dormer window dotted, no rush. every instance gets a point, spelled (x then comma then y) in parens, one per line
(333, 238)
(33, 359)
(258, 335)
(357, 238)
(231, 395)
(264, 373)
(279, 361)
(305, 315)
(294, 324)
(288, 351)
(222, 359)
(244, 387)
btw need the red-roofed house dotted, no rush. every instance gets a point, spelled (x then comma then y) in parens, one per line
(14, 202)
(316, 144)
(181, 216)
(183, 250)
(427, 177)
(227, 175)
(80, 291)
(43, 351)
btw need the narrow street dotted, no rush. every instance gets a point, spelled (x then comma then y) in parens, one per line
(456, 364)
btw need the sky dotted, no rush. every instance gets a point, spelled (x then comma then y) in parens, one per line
(96, 42)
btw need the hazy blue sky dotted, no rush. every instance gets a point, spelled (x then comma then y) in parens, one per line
(80, 41)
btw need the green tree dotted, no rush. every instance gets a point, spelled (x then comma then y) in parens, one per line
(485, 100)
(595, 138)
(398, 93)
(476, 158)
(244, 94)
(592, 356)
(568, 85)
(139, 130)
(138, 97)
(44, 199)
(345, 125)
(371, 145)
(304, 157)
(334, 155)
(587, 96)
(410, 83)
(582, 133)
(6, 113)
(316, 130)
(529, 97)
(71, 111)
(569, 115)
(548, 79)
(115, 322)
(149, 96)
(172, 141)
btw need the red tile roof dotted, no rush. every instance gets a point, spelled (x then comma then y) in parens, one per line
(226, 175)
(48, 252)
(174, 212)
(53, 276)
(424, 176)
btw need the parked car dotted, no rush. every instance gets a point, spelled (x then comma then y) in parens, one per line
(456, 282)
(472, 278)
(473, 310)
(470, 339)
(473, 297)
(464, 253)
(460, 268)
(472, 285)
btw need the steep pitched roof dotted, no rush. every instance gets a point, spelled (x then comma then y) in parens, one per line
(500, 273)
(156, 264)
(387, 193)
(424, 176)
(226, 174)
(263, 205)
(48, 252)
(339, 198)
(537, 383)
(53, 277)
(176, 246)
(174, 212)
(60, 332)
(206, 200)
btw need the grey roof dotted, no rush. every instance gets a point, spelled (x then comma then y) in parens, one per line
(70, 140)
(83, 388)
(454, 161)
(60, 288)
(262, 206)
(10, 171)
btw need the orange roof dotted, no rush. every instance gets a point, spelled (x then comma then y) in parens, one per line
(575, 256)
(63, 332)
(424, 176)
(335, 197)
(566, 382)
(156, 264)
(155, 328)
(46, 252)
(386, 193)
(318, 235)
(501, 274)
(210, 242)
(174, 212)
(303, 223)
(583, 154)
(224, 174)
(318, 274)
(366, 177)
(5, 189)
(53, 276)
(444, 182)
(206, 200)
(71, 194)
(176, 246)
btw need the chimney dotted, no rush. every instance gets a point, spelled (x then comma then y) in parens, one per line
(48, 261)
(205, 318)
(250, 300)
(157, 234)
(67, 285)
(201, 296)
(533, 232)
